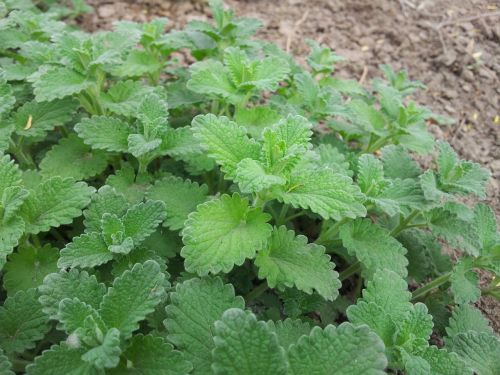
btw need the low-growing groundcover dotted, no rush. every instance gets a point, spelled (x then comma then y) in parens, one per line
(238, 215)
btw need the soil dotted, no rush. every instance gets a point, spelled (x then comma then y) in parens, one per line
(452, 46)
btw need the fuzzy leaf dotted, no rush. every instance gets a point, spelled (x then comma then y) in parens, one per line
(28, 266)
(142, 219)
(153, 356)
(252, 177)
(104, 133)
(45, 116)
(479, 350)
(107, 354)
(211, 131)
(246, 346)
(72, 158)
(107, 200)
(54, 202)
(181, 197)
(57, 83)
(86, 251)
(124, 97)
(313, 354)
(196, 305)
(5, 365)
(373, 246)
(325, 193)
(288, 260)
(133, 296)
(62, 359)
(72, 284)
(398, 163)
(223, 233)
(211, 78)
(289, 331)
(466, 318)
(22, 322)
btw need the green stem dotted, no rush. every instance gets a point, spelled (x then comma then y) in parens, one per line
(349, 271)
(437, 282)
(259, 201)
(403, 224)
(327, 235)
(143, 167)
(256, 292)
(281, 218)
(294, 216)
(25, 160)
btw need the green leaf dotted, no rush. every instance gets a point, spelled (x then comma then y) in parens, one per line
(398, 163)
(357, 351)
(54, 202)
(57, 83)
(11, 200)
(10, 174)
(62, 359)
(485, 225)
(373, 246)
(7, 98)
(256, 119)
(370, 175)
(211, 131)
(195, 305)
(104, 133)
(289, 331)
(28, 266)
(460, 177)
(106, 355)
(22, 322)
(456, 231)
(246, 346)
(72, 158)
(416, 329)
(223, 233)
(479, 350)
(444, 363)
(142, 219)
(133, 296)
(252, 177)
(5, 365)
(124, 97)
(288, 260)
(211, 78)
(10, 234)
(375, 317)
(137, 64)
(86, 251)
(107, 200)
(73, 315)
(466, 318)
(181, 197)
(72, 284)
(153, 356)
(268, 73)
(125, 182)
(45, 116)
(328, 194)
(465, 283)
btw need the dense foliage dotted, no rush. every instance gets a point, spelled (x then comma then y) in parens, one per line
(241, 214)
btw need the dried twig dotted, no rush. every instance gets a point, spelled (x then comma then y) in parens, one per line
(363, 75)
(294, 30)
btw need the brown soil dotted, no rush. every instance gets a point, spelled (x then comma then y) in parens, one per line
(453, 46)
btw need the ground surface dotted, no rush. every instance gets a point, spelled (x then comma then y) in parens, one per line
(453, 46)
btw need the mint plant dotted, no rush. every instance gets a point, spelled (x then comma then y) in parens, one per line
(242, 214)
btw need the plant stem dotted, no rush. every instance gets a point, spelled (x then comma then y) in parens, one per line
(294, 216)
(349, 271)
(256, 292)
(330, 232)
(422, 291)
(281, 218)
(403, 224)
